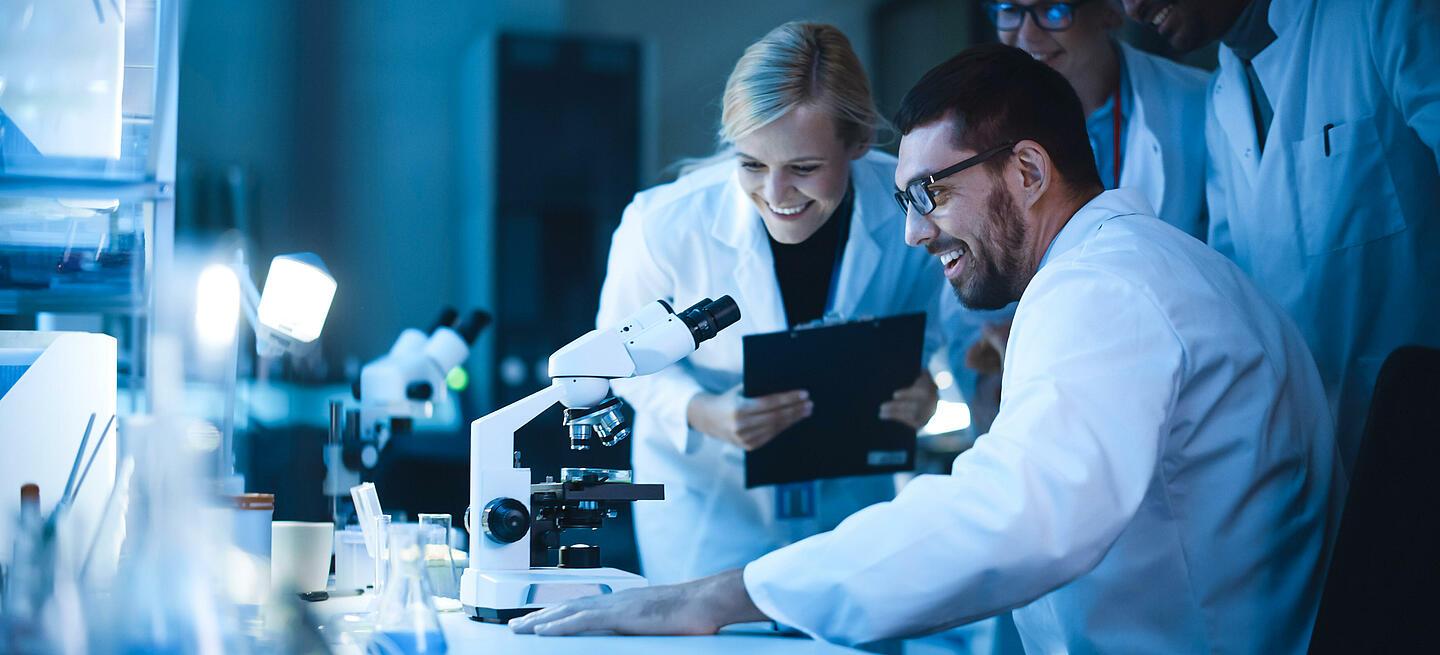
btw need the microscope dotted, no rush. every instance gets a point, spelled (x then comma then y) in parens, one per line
(513, 524)
(404, 384)
(409, 380)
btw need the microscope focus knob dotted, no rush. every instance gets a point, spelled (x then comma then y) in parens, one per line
(505, 520)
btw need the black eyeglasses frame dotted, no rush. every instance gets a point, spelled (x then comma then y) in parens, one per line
(992, 10)
(919, 187)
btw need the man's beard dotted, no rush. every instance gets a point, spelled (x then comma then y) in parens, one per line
(996, 275)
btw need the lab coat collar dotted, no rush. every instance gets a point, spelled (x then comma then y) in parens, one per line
(1233, 113)
(873, 206)
(1231, 89)
(740, 227)
(1143, 164)
(1284, 17)
(1101, 208)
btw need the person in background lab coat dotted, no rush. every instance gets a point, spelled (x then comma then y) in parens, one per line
(1324, 131)
(799, 222)
(1153, 143)
(1161, 477)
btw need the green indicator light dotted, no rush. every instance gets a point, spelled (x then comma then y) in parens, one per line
(457, 379)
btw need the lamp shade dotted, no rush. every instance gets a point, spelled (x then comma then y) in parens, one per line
(297, 295)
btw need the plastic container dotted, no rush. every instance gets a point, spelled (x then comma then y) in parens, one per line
(354, 569)
(253, 513)
(250, 517)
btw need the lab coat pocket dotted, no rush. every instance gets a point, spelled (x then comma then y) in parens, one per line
(1346, 193)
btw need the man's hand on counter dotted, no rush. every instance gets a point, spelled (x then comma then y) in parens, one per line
(700, 607)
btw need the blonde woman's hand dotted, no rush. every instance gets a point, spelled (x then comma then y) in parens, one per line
(747, 422)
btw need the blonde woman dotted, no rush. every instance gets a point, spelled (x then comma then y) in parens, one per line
(798, 222)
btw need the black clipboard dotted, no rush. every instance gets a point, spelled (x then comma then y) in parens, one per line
(850, 369)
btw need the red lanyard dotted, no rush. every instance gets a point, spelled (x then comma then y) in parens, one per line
(1118, 120)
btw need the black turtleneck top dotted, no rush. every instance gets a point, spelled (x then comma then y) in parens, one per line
(806, 271)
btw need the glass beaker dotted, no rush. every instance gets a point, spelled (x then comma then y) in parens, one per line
(382, 556)
(406, 622)
(439, 562)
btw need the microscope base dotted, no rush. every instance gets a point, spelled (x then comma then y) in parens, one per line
(496, 596)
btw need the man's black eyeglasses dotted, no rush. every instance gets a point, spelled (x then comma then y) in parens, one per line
(917, 193)
(1048, 16)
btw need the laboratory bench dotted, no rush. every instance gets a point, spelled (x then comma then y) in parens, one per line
(346, 629)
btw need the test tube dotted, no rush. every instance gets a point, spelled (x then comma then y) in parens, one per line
(382, 552)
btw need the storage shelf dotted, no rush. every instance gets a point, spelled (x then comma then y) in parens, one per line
(13, 302)
(73, 255)
(84, 188)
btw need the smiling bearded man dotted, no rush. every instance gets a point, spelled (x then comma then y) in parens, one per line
(1162, 476)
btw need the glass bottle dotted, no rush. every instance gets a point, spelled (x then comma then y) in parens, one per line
(406, 622)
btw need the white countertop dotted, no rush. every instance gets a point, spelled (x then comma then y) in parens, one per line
(347, 630)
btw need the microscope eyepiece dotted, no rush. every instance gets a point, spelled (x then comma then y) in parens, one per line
(708, 317)
(473, 325)
(446, 319)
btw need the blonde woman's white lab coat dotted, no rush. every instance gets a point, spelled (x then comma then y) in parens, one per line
(1161, 477)
(698, 237)
(1339, 218)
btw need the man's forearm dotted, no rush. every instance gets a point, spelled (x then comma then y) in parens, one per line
(699, 607)
(726, 596)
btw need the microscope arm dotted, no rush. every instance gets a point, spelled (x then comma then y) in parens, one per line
(494, 475)
(492, 438)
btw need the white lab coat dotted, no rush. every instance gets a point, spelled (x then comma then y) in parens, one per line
(1348, 241)
(701, 237)
(1164, 160)
(1164, 156)
(1161, 477)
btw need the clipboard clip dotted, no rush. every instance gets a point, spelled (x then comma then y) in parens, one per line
(830, 319)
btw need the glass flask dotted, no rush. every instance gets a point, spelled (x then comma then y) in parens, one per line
(406, 622)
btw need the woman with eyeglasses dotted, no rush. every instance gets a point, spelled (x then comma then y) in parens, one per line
(1146, 119)
(797, 222)
(1145, 114)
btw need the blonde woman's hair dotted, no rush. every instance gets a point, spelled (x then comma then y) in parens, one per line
(797, 64)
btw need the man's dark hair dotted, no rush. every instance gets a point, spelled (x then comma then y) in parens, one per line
(998, 94)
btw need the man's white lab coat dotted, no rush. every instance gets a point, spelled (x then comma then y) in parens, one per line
(1161, 478)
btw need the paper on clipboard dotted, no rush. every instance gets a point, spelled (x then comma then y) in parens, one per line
(849, 369)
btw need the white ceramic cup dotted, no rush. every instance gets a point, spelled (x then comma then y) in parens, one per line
(300, 555)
